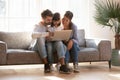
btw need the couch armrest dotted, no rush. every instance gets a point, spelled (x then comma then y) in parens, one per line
(105, 50)
(103, 46)
(3, 51)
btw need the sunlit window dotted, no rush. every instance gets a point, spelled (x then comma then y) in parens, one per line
(21, 15)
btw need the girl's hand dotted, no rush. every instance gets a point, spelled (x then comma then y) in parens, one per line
(51, 34)
(65, 42)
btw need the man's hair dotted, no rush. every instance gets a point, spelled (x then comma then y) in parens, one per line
(69, 15)
(46, 12)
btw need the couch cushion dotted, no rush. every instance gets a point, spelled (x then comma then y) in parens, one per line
(16, 40)
(20, 56)
(88, 54)
(81, 37)
(91, 43)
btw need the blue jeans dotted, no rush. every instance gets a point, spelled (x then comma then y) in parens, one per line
(40, 46)
(55, 46)
(73, 53)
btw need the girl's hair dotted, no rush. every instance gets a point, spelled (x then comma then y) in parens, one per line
(56, 17)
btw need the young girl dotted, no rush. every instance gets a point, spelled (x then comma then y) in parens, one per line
(55, 25)
(58, 46)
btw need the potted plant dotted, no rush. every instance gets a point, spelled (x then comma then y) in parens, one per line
(108, 15)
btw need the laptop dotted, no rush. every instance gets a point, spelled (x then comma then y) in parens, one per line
(58, 35)
(61, 35)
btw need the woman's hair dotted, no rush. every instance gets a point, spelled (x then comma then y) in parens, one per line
(69, 15)
(56, 17)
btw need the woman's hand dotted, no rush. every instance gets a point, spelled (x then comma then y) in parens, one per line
(70, 44)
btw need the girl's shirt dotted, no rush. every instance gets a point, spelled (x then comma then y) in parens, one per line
(52, 29)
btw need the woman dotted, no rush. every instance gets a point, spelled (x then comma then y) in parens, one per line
(72, 43)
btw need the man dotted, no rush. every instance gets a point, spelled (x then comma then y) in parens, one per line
(40, 45)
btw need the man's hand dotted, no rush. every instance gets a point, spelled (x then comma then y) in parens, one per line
(49, 37)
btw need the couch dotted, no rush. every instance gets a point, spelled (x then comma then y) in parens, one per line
(14, 49)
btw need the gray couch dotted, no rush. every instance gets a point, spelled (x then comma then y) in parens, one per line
(14, 49)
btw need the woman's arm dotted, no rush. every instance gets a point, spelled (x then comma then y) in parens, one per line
(70, 44)
(74, 35)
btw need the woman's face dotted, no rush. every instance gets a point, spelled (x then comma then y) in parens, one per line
(66, 21)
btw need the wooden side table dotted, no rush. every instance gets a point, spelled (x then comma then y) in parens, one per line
(115, 57)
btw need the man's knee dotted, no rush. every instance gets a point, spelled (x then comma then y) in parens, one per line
(41, 41)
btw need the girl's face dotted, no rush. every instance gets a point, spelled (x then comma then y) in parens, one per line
(66, 21)
(56, 23)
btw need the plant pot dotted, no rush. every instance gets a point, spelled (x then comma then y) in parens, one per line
(115, 57)
(117, 41)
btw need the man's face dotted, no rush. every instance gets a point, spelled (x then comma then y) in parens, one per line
(47, 20)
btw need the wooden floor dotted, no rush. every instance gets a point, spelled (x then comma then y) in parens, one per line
(93, 71)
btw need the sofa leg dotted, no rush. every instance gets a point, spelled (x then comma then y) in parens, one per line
(90, 62)
(109, 62)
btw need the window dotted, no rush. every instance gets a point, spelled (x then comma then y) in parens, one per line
(2, 7)
(21, 15)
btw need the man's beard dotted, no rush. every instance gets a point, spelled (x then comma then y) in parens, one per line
(47, 23)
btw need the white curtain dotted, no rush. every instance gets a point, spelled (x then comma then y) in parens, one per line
(21, 15)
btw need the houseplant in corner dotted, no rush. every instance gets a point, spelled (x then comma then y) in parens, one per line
(108, 15)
